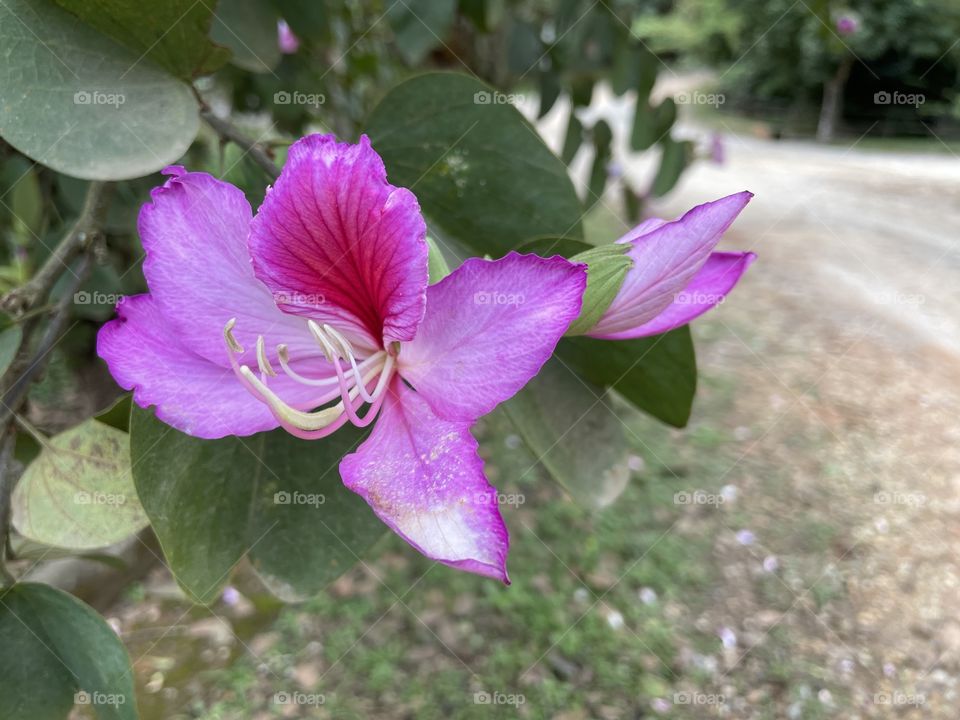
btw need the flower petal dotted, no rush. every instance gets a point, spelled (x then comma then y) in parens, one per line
(423, 477)
(708, 288)
(146, 354)
(666, 257)
(198, 268)
(333, 229)
(489, 327)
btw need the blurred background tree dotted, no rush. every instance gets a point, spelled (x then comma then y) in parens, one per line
(823, 63)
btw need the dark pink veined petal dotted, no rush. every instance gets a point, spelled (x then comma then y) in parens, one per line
(666, 256)
(423, 477)
(145, 354)
(489, 327)
(707, 289)
(332, 229)
(197, 265)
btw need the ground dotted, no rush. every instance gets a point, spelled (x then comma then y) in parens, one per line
(815, 576)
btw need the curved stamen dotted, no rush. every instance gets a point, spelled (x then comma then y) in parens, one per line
(351, 390)
(347, 354)
(377, 395)
(316, 420)
(283, 355)
(263, 362)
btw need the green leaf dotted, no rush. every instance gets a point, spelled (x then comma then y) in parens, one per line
(607, 266)
(78, 493)
(572, 139)
(213, 501)
(651, 125)
(479, 169)
(581, 91)
(11, 335)
(549, 91)
(117, 415)
(77, 102)
(485, 14)
(657, 374)
(675, 158)
(550, 246)
(634, 68)
(602, 139)
(26, 206)
(524, 49)
(631, 204)
(173, 34)
(53, 650)
(438, 267)
(570, 429)
(419, 26)
(249, 29)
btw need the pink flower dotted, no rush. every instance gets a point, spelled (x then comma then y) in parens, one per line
(676, 276)
(288, 42)
(325, 293)
(847, 25)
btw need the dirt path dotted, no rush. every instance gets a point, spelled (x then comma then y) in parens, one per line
(845, 344)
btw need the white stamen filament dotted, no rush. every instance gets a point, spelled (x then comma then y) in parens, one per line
(347, 354)
(283, 355)
(350, 387)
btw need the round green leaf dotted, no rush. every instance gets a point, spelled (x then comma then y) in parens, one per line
(78, 493)
(76, 101)
(174, 34)
(568, 425)
(55, 651)
(272, 497)
(479, 169)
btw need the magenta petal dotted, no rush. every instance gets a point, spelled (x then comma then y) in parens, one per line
(194, 232)
(708, 288)
(423, 477)
(489, 327)
(666, 257)
(286, 40)
(340, 244)
(145, 354)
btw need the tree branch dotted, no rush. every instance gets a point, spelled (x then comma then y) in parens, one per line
(26, 367)
(227, 131)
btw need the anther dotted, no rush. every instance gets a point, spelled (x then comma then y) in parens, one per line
(263, 362)
(229, 338)
(321, 339)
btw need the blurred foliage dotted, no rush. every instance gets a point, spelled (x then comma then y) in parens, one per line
(777, 54)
